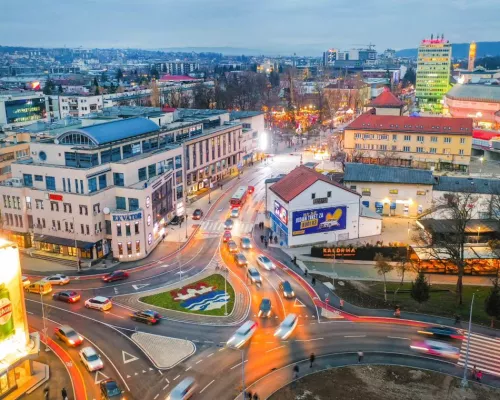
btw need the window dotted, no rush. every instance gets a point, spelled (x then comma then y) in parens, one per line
(366, 192)
(28, 180)
(92, 182)
(127, 229)
(64, 184)
(38, 178)
(328, 194)
(136, 228)
(38, 204)
(50, 183)
(142, 174)
(54, 224)
(462, 140)
(420, 139)
(152, 170)
(102, 182)
(434, 139)
(87, 228)
(406, 148)
(461, 152)
(96, 208)
(313, 196)
(81, 186)
(352, 187)
(393, 191)
(446, 151)
(118, 179)
(433, 150)
(43, 223)
(447, 139)
(67, 207)
(133, 204)
(84, 210)
(137, 246)
(121, 203)
(28, 202)
(178, 177)
(407, 138)
(420, 192)
(58, 225)
(120, 249)
(82, 229)
(76, 185)
(394, 137)
(178, 160)
(420, 149)
(118, 229)
(54, 206)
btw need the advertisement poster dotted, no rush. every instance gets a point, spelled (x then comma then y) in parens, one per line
(321, 220)
(281, 212)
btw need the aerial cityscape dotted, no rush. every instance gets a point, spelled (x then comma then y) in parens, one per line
(233, 200)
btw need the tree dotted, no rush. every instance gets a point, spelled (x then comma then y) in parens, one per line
(104, 77)
(410, 77)
(420, 289)
(49, 87)
(60, 89)
(154, 73)
(403, 265)
(274, 79)
(492, 302)
(119, 74)
(383, 268)
(155, 94)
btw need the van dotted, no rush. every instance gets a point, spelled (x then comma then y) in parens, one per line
(39, 287)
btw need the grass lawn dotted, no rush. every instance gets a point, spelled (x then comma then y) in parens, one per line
(166, 300)
(442, 300)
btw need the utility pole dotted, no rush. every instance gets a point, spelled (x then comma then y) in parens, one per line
(464, 379)
(44, 323)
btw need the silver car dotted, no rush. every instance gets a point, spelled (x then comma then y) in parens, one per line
(57, 279)
(91, 359)
(184, 390)
(246, 243)
(228, 224)
(287, 327)
(254, 275)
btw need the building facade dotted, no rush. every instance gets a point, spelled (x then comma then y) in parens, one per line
(427, 143)
(433, 72)
(21, 108)
(77, 106)
(177, 67)
(254, 138)
(13, 146)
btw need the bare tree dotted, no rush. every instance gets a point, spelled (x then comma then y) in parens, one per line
(155, 94)
(383, 268)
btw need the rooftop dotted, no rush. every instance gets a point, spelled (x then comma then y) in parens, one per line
(357, 172)
(445, 226)
(127, 112)
(244, 114)
(299, 180)
(432, 125)
(475, 92)
(386, 100)
(464, 185)
(177, 78)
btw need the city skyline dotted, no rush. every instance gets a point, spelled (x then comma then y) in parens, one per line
(267, 26)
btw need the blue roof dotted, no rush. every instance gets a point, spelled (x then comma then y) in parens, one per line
(467, 185)
(118, 130)
(357, 172)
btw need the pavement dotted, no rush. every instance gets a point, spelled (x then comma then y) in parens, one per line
(164, 352)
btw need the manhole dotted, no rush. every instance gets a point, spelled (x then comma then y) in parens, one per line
(341, 283)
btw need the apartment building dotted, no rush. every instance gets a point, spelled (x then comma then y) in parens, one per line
(78, 106)
(428, 143)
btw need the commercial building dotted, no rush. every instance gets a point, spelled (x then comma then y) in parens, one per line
(433, 72)
(391, 191)
(13, 146)
(21, 108)
(254, 138)
(354, 58)
(417, 142)
(308, 208)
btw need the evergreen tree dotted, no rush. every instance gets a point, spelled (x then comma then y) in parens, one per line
(154, 73)
(420, 289)
(492, 302)
(119, 74)
(60, 89)
(49, 87)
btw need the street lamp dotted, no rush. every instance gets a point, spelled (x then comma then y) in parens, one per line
(334, 259)
(464, 379)
(78, 269)
(179, 252)
(481, 167)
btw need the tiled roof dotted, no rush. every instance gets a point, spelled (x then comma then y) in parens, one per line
(299, 180)
(386, 100)
(432, 125)
(475, 92)
(464, 185)
(357, 172)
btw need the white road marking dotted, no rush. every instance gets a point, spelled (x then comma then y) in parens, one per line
(97, 379)
(176, 377)
(29, 312)
(298, 303)
(221, 349)
(276, 348)
(187, 369)
(354, 336)
(201, 391)
(166, 386)
(210, 355)
(116, 315)
(309, 340)
(199, 361)
(397, 337)
(161, 373)
(156, 396)
(237, 365)
(140, 286)
(128, 359)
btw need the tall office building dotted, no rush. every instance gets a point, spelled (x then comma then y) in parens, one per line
(433, 72)
(472, 56)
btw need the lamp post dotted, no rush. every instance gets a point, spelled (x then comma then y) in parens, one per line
(334, 259)
(78, 269)
(243, 372)
(478, 230)
(44, 323)
(464, 379)
(481, 167)
(179, 252)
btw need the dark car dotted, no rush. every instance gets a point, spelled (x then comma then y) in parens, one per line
(177, 220)
(110, 390)
(240, 260)
(115, 276)
(265, 308)
(69, 296)
(443, 332)
(197, 214)
(286, 290)
(149, 317)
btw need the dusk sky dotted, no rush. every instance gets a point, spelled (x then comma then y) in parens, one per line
(283, 26)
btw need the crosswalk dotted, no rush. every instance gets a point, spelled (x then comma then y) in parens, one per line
(217, 227)
(484, 354)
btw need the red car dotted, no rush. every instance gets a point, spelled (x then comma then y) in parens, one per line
(115, 276)
(251, 189)
(227, 236)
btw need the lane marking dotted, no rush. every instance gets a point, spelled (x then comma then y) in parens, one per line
(199, 361)
(309, 340)
(298, 303)
(130, 357)
(166, 386)
(210, 355)
(397, 337)
(29, 312)
(156, 396)
(98, 380)
(140, 286)
(176, 377)
(237, 365)
(201, 391)
(221, 349)
(276, 348)
(354, 336)
(187, 369)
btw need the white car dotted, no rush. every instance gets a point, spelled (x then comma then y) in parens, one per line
(91, 359)
(235, 213)
(57, 279)
(99, 303)
(26, 281)
(265, 262)
(242, 335)
(184, 390)
(287, 327)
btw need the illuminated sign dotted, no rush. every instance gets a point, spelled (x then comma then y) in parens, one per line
(127, 217)
(281, 212)
(339, 252)
(25, 110)
(321, 220)
(56, 197)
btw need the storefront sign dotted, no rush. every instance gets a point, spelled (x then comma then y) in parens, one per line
(318, 221)
(281, 212)
(56, 197)
(339, 252)
(127, 217)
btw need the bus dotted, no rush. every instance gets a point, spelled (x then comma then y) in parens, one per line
(239, 197)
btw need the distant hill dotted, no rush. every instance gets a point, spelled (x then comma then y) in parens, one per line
(461, 50)
(233, 51)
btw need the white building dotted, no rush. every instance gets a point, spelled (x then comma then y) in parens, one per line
(78, 106)
(309, 208)
(254, 137)
(22, 108)
(178, 67)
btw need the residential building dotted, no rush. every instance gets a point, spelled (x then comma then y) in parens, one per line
(425, 142)
(433, 72)
(394, 191)
(354, 58)
(309, 208)
(387, 104)
(21, 108)
(254, 137)
(78, 106)
(177, 67)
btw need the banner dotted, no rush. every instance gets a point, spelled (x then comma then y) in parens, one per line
(320, 220)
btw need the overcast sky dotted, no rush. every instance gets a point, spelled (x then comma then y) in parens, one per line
(284, 26)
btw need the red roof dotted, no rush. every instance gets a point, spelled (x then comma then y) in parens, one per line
(386, 99)
(298, 180)
(168, 109)
(389, 123)
(484, 135)
(177, 78)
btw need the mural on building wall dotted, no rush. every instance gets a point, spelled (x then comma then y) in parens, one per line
(306, 222)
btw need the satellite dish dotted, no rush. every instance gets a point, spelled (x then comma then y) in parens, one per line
(106, 210)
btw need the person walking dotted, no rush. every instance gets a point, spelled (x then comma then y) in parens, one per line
(474, 372)
(313, 281)
(360, 356)
(64, 394)
(265, 243)
(296, 371)
(479, 376)
(262, 238)
(46, 392)
(312, 357)
(341, 304)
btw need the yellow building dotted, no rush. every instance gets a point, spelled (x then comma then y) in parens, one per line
(13, 146)
(418, 142)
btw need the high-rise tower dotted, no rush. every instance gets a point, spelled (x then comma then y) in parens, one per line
(472, 56)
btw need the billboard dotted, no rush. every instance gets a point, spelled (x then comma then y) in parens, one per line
(25, 110)
(281, 212)
(306, 222)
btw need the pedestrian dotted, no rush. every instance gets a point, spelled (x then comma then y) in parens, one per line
(479, 376)
(275, 239)
(305, 272)
(265, 243)
(341, 304)
(46, 392)
(360, 356)
(255, 396)
(64, 394)
(397, 312)
(296, 370)
(249, 394)
(312, 357)
(262, 238)
(295, 260)
(474, 372)
(313, 281)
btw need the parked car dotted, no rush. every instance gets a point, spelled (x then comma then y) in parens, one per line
(117, 275)
(232, 246)
(99, 303)
(68, 296)
(286, 290)
(442, 332)
(110, 390)
(265, 262)
(91, 359)
(287, 327)
(265, 308)
(177, 220)
(246, 243)
(184, 390)
(228, 224)
(68, 335)
(149, 317)
(254, 275)
(57, 279)
(240, 259)
(197, 214)
(242, 334)
(226, 237)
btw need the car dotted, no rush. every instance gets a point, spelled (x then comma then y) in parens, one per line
(184, 390)
(91, 359)
(232, 246)
(228, 224)
(177, 220)
(57, 279)
(251, 189)
(197, 214)
(26, 281)
(117, 275)
(242, 334)
(442, 332)
(254, 275)
(110, 390)
(68, 335)
(287, 327)
(40, 287)
(69, 296)
(235, 213)
(265, 308)
(226, 236)
(246, 243)
(99, 303)
(149, 317)
(240, 259)
(265, 262)
(286, 290)
(436, 348)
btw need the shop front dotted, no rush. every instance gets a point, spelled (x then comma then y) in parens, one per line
(22, 239)
(69, 247)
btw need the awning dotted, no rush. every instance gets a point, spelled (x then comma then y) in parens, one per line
(63, 241)
(246, 157)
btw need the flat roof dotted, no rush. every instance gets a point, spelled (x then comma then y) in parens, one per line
(475, 92)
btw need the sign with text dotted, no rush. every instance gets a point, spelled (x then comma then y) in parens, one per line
(321, 220)
(281, 212)
(127, 217)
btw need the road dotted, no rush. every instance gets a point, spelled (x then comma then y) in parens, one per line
(218, 370)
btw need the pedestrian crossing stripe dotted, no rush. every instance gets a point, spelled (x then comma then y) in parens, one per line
(484, 353)
(239, 228)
